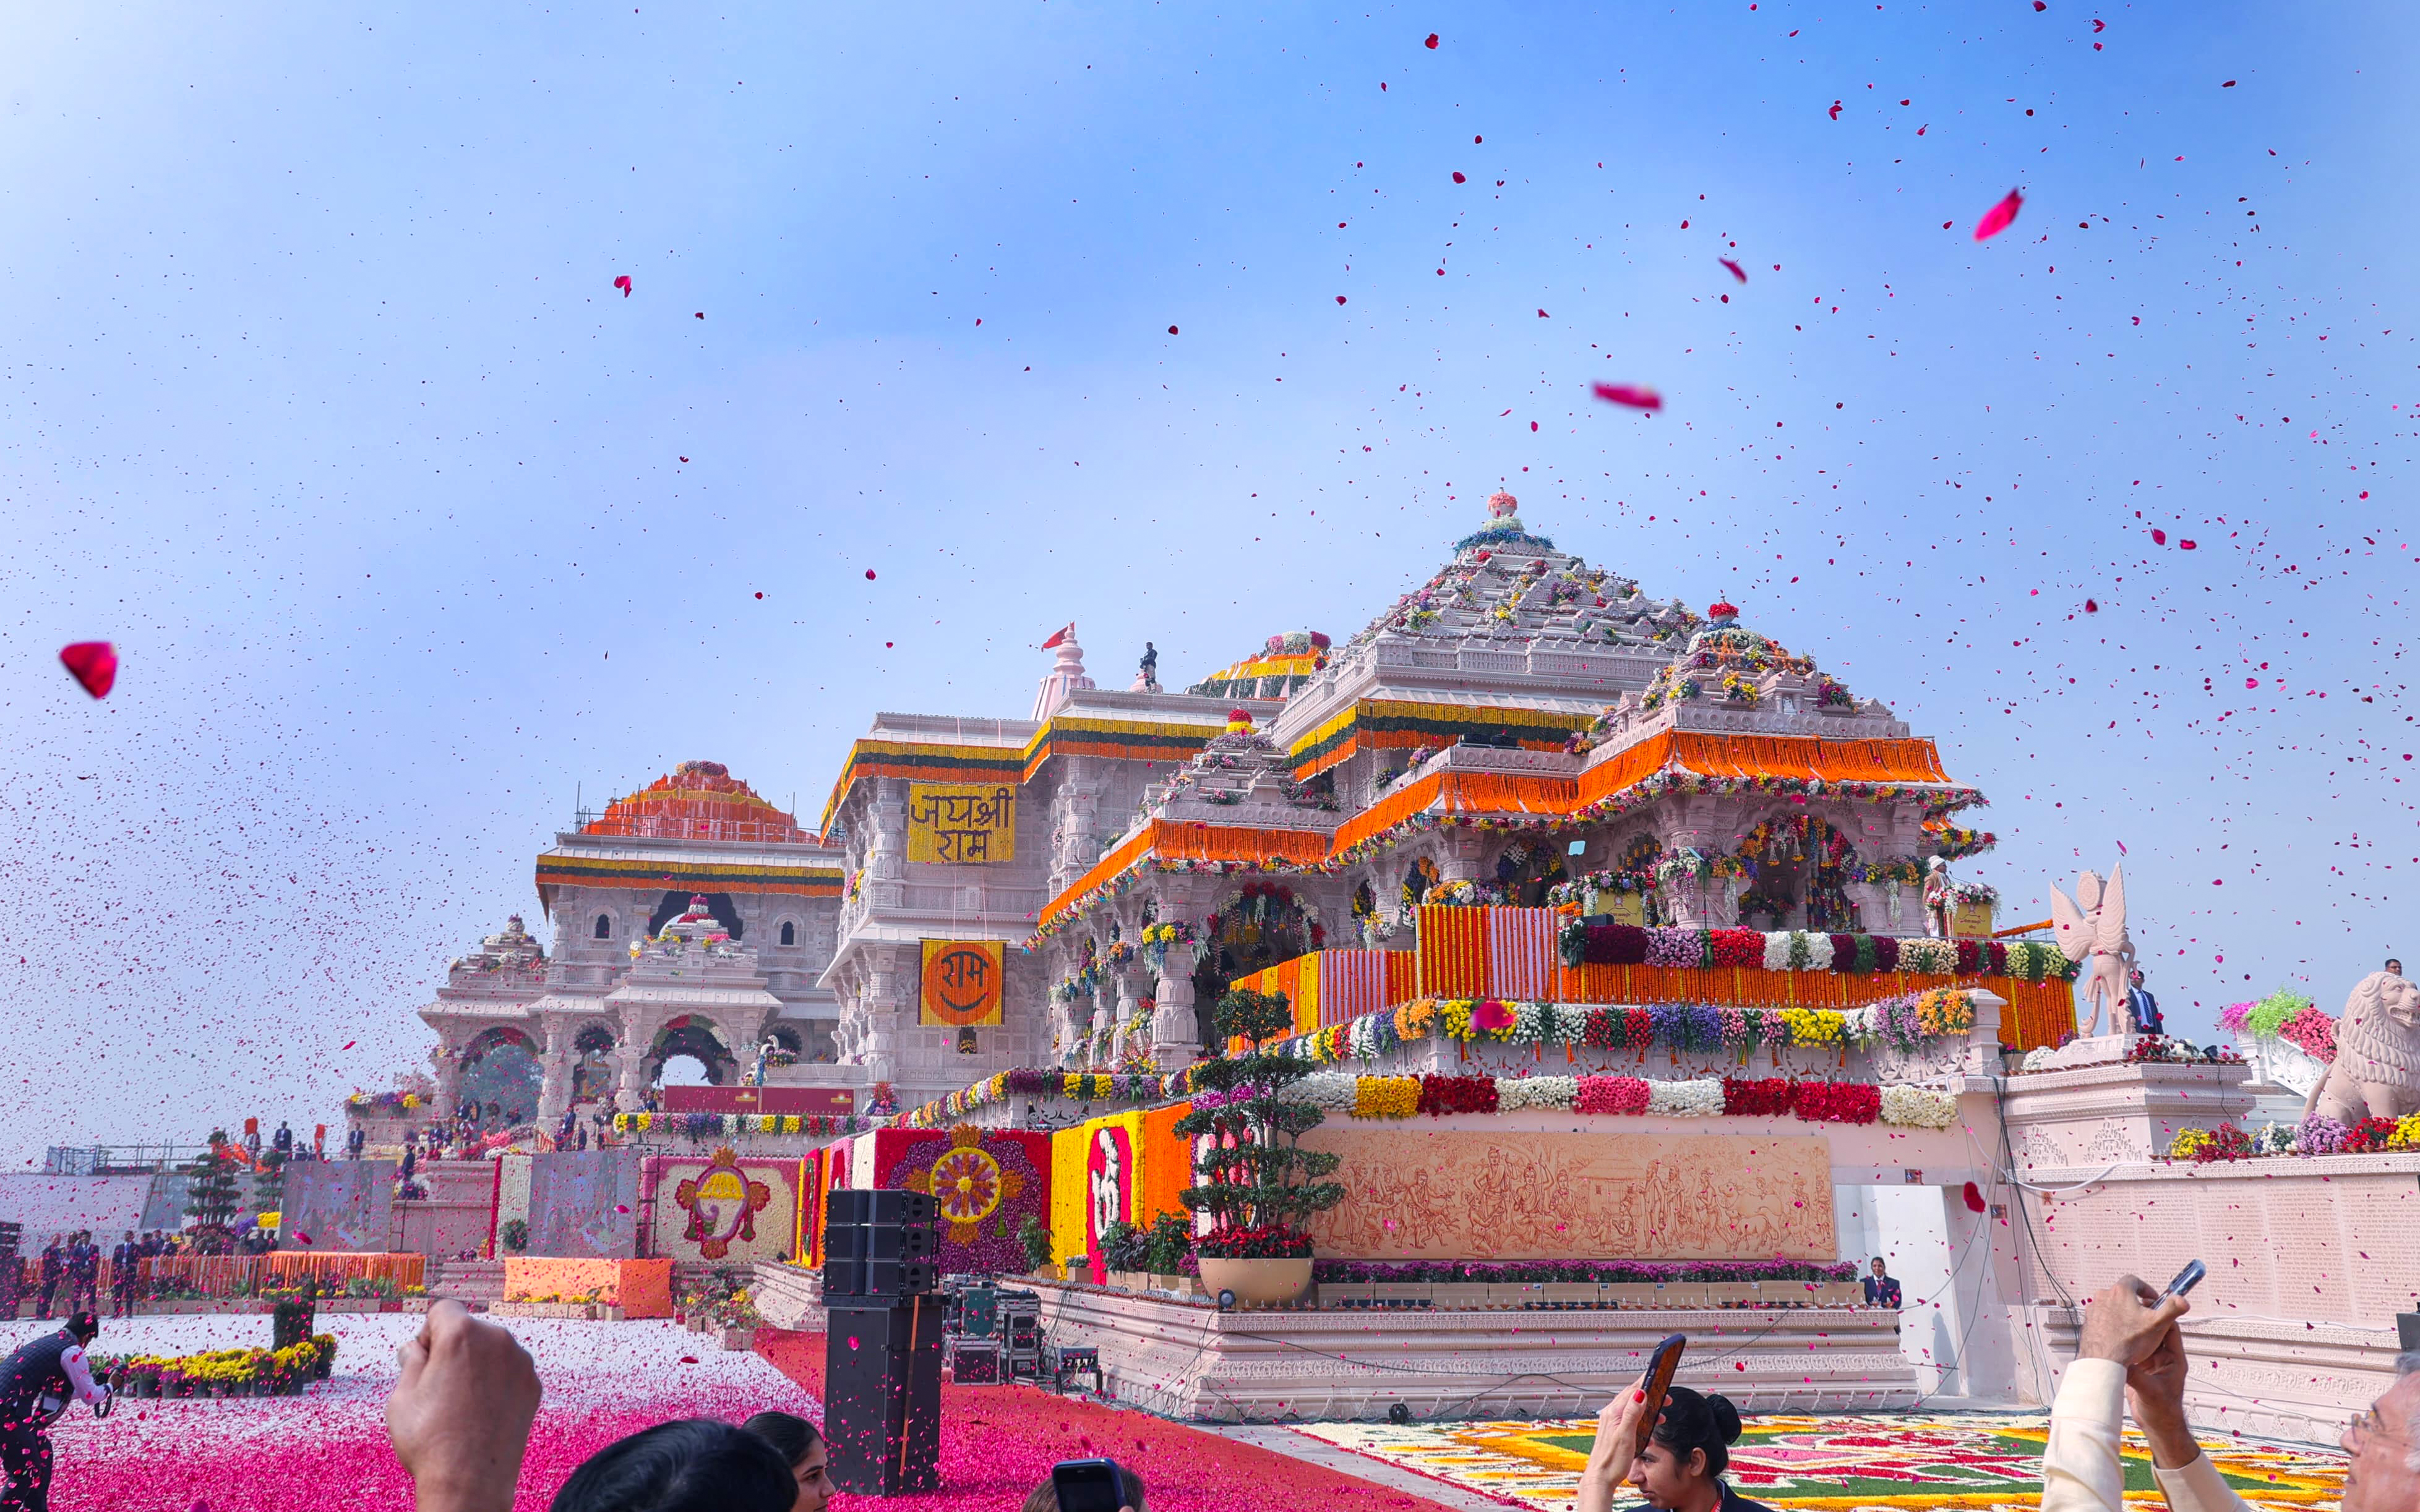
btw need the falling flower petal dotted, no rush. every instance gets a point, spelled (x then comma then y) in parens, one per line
(1973, 1195)
(1340, 298)
(1638, 396)
(869, 575)
(1460, 180)
(622, 283)
(94, 664)
(1999, 217)
(1431, 43)
(2159, 537)
(1737, 272)
(1172, 330)
(1836, 109)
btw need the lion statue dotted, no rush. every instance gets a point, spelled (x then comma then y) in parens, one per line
(2377, 1069)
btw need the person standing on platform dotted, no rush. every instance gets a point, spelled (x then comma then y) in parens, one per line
(283, 1141)
(54, 1267)
(2145, 1007)
(84, 1275)
(1882, 1289)
(36, 1385)
(125, 1264)
(354, 1139)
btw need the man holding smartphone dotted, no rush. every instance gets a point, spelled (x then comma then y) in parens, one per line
(2132, 1349)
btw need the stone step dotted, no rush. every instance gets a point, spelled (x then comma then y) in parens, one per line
(467, 1281)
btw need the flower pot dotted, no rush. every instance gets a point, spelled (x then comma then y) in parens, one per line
(1256, 1281)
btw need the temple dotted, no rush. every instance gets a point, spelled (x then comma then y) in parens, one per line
(1521, 728)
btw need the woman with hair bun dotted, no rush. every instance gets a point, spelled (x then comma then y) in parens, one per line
(1681, 1469)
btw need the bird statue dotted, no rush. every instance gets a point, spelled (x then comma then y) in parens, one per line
(2093, 924)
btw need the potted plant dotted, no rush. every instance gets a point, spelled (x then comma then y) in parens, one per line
(1255, 1181)
(1166, 1245)
(1035, 1236)
(1122, 1255)
(515, 1233)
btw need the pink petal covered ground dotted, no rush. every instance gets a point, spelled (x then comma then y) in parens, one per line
(997, 1443)
(328, 1450)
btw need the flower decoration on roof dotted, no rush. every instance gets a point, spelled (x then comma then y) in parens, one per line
(1281, 666)
(698, 800)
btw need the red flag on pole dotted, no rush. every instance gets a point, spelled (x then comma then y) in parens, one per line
(1060, 635)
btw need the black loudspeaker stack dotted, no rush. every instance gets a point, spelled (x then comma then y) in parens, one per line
(882, 1353)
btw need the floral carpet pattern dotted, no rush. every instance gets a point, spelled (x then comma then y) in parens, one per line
(1840, 1463)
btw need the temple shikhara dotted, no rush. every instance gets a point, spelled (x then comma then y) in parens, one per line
(1076, 887)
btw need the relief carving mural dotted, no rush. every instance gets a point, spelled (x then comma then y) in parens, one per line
(1457, 1195)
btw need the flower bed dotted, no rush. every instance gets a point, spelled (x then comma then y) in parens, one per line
(724, 1125)
(1814, 1100)
(2287, 1016)
(1583, 943)
(1904, 1023)
(2318, 1135)
(226, 1372)
(1626, 1273)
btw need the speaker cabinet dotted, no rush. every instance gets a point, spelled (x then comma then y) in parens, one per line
(882, 1387)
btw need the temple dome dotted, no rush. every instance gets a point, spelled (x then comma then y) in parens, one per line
(698, 800)
(1507, 584)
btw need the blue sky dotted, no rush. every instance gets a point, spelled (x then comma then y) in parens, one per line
(321, 402)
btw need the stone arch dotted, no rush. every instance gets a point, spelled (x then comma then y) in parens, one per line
(789, 932)
(592, 1068)
(1264, 924)
(602, 929)
(1531, 865)
(699, 1036)
(500, 1073)
(1799, 867)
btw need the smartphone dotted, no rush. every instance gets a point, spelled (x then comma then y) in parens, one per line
(1086, 1485)
(2186, 1280)
(1660, 1369)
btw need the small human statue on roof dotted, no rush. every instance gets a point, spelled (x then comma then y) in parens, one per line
(1147, 674)
(1936, 897)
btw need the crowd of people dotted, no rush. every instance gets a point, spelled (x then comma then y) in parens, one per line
(69, 1273)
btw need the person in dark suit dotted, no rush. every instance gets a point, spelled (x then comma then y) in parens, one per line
(1882, 1289)
(2145, 1007)
(125, 1264)
(54, 1267)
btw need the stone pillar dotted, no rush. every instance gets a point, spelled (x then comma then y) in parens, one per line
(886, 993)
(554, 1083)
(886, 855)
(629, 1055)
(1461, 856)
(1130, 1021)
(1975, 1319)
(1076, 840)
(1175, 1034)
(446, 1060)
(1872, 914)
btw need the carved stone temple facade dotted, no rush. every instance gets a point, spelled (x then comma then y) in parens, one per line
(1075, 887)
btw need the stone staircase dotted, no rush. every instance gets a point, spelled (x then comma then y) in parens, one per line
(475, 1284)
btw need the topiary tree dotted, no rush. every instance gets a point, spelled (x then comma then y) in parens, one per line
(1256, 1185)
(212, 1193)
